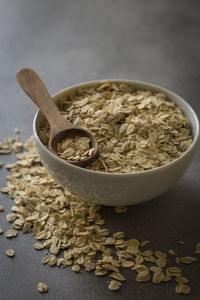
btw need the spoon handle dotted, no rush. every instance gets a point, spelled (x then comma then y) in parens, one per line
(37, 91)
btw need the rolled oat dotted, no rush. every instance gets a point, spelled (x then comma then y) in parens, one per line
(42, 287)
(10, 252)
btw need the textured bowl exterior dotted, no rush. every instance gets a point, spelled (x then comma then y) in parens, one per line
(119, 189)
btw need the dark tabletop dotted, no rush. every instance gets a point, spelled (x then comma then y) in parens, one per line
(70, 42)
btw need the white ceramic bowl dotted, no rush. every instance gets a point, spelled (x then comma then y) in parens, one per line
(119, 189)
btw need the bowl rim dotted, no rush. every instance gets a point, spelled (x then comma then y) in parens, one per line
(125, 81)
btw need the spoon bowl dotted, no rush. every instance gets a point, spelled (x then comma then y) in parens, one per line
(72, 133)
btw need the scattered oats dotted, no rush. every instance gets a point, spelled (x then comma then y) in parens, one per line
(41, 235)
(53, 261)
(10, 166)
(144, 243)
(11, 217)
(111, 267)
(54, 250)
(140, 268)
(10, 252)
(68, 262)
(16, 130)
(101, 272)
(11, 233)
(114, 285)
(127, 264)
(182, 280)
(173, 271)
(17, 147)
(1, 230)
(119, 235)
(139, 259)
(1, 208)
(181, 243)
(150, 259)
(155, 269)
(117, 276)
(160, 254)
(197, 251)
(4, 190)
(183, 289)
(42, 287)
(5, 147)
(161, 262)
(177, 260)
(187, 259)
(132, 246)
(120, 209)
(76, 268)
(105, 232)
(147, 253)
(45, 260)
(5, 151)
(89, 266)
(38, 246)
(119, 243)
(18, 224)
(109, 241)
(11, 143)
(60, 261)
(143, 276)
(158, 277)
(72, 227)
(167, 278)
(172, 252)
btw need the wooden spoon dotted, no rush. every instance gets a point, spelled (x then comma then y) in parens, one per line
(60, 127)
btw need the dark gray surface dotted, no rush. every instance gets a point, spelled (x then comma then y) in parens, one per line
(69, 42)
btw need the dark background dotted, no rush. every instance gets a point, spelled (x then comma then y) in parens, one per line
(69, 42)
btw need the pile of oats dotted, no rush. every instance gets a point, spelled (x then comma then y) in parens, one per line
(73, 232)
(136, 130)
(77, 148)
(11, 144)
